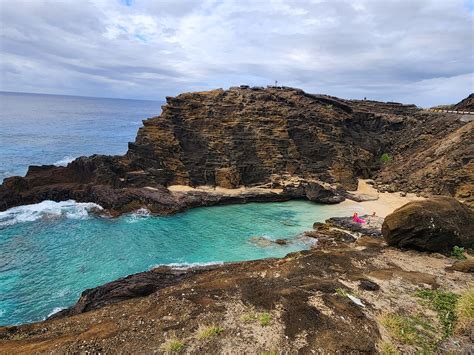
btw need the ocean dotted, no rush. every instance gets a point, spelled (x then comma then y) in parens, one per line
(37, 129)
(51, 251)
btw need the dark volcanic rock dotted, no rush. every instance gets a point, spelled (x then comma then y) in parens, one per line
(466, 104)
(133, 286)
(435, 225)
(252, 136)
(318, 193)
(368, 285)
(372, 227)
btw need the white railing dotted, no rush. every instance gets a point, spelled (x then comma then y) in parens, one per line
(451, 111)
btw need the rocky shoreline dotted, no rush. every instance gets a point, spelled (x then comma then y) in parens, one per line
(310, 146)
(275, 144)
(339, 296)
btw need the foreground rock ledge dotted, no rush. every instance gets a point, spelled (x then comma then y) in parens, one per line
(302, 299)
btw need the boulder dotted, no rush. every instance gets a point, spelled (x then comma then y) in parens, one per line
(436, 225)
(318, 192)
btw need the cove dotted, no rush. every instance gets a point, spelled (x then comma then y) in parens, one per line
(50, 252)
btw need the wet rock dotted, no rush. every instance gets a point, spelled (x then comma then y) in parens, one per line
(281, 242)
(436, 225)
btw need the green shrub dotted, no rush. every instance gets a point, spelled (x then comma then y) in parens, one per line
(385, 158)
(265, 319)
(458, 253)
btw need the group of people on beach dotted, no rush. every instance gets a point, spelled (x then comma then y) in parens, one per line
(357, 219)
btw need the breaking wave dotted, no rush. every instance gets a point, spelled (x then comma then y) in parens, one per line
(64, 161)
(48, 210)
(138, 215)
(184, 266)
(54, 311)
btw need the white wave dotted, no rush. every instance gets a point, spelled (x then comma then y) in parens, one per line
(64, 161)
(138, 215)
(54, 311)
(47, 210)
(184, 266)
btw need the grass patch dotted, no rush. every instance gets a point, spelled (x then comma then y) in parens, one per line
(341, 292)
(458, 253)
(173, 345)
(464, 311)
(248, 317)
(271, 352)
(411, 330)
(387, 348)
(209, 332)
(265, 319)
(444, 304)
(329, 106)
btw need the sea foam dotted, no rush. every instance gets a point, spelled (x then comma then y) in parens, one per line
(47, 210)
(54, 311)
(184, 266)
(64, 161)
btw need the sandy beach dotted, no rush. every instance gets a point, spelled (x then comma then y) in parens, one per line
(385, 203)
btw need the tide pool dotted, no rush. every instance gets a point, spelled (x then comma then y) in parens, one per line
(51, 252)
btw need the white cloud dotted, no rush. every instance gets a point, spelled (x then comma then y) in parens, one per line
(407, 50)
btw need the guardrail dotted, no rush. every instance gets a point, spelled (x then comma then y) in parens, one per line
(450, 111)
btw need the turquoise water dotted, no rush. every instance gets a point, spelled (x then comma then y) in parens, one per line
(51, 252)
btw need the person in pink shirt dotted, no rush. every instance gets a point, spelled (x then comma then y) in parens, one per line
(357, 219)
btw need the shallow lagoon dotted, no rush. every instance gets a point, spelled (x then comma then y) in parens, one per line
(51, 252)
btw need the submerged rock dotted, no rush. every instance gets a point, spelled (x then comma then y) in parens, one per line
(436, 225)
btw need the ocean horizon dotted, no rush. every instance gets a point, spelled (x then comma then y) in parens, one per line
(43, 129)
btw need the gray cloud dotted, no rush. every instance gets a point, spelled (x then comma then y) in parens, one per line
(418, 51)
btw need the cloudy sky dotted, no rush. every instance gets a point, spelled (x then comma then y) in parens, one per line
(413, 51)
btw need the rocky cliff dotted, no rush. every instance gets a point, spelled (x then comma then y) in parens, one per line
(267, 138)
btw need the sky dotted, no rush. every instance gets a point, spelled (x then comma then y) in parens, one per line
(411, 51)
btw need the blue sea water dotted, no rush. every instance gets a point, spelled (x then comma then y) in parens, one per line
(50, 252)
(37, 129)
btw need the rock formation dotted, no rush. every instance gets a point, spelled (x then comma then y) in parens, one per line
(466, 104)
(263, 137)
(435, 225)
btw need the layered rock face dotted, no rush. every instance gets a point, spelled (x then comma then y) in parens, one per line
(244, 136)
(261, 137)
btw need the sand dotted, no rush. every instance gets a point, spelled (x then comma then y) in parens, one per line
(385, 204)
(222, 190)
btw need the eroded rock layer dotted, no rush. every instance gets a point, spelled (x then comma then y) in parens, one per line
(263, 137)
